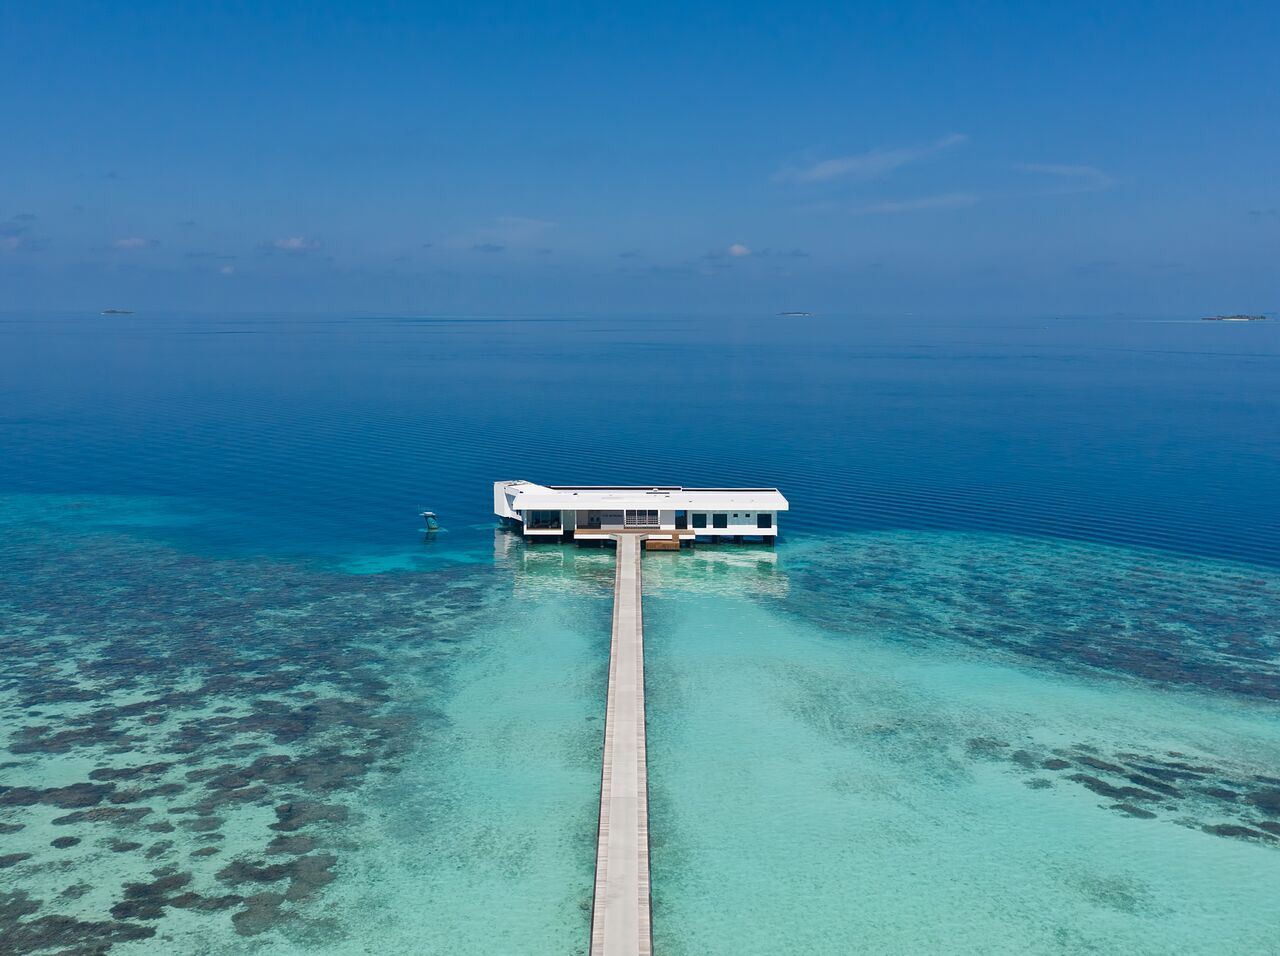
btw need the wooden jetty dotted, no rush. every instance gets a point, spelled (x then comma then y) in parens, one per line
(620, 910)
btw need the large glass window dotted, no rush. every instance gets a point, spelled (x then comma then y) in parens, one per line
(764, 520)
(720, 520)
(699, 520)
(542, 520)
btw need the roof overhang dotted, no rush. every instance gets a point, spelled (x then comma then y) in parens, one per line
(523, 496)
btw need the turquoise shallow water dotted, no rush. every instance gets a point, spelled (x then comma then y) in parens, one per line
(1008, 684)
(862, 788)
(485, 841)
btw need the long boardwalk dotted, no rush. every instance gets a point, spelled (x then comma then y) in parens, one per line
(620, 912)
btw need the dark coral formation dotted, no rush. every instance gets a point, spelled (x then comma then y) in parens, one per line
(1170, 786)
(306, 874)
(1170, 620)
(201, 688)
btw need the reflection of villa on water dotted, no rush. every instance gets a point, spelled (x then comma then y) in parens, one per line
(665, 517)
(546, 571)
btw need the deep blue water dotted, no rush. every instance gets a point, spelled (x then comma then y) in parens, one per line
(330, 431)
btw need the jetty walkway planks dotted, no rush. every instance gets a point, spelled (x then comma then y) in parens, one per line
(620, 910)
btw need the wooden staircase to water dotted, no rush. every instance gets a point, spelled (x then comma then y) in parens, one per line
(662, 542)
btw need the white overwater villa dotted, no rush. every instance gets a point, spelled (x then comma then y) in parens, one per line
(666, 515)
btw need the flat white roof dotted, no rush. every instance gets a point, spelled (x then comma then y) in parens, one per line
(523, 495)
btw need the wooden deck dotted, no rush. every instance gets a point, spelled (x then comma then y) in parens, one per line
(620, 910)
(612, 532)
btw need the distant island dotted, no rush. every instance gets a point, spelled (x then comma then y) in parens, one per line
(1234, 318)
(117, 312)
(795, 314)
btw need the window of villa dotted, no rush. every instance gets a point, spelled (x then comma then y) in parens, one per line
(641, 518)
(720, 520)
(699, 520)
(764, 520)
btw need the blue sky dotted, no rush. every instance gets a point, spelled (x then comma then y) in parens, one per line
(408, 157)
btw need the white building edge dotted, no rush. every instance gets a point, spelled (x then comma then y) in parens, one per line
(664, 513)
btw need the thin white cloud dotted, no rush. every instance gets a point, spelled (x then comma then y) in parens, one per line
(868, 165)
(15, 235)
(296, 244)
(1074, 178)
(228, 270)
(943, 201)
(738, 250)
(134, 242)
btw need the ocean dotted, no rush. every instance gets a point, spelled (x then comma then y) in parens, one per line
(1008, 683)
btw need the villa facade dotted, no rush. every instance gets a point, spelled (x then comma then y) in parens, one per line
(661, 513)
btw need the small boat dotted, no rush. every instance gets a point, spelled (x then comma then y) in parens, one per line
(429, 522)
(1234, 318)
